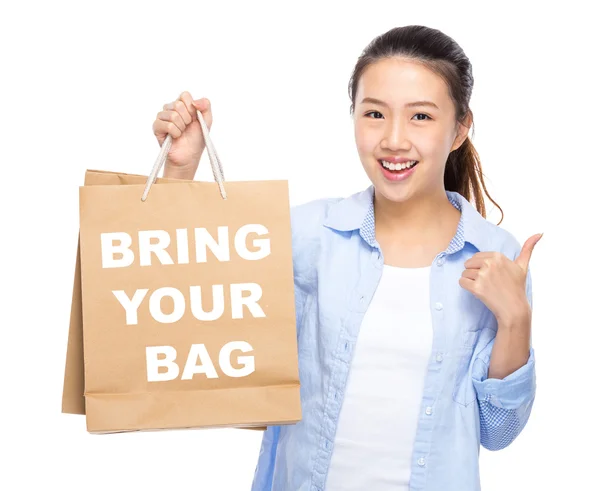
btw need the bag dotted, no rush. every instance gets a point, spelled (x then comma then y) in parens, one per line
(183, 312)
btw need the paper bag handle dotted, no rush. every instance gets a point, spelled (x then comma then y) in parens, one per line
(215, 162)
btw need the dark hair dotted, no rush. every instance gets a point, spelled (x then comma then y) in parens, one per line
(441, 54)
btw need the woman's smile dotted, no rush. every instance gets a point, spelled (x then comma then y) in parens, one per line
(391, 173)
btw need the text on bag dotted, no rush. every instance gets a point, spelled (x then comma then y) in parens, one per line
(117, 252)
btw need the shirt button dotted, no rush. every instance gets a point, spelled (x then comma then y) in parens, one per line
(438, 306)
(440, 261)
(421, 461)
(428, 411)
(439, 357)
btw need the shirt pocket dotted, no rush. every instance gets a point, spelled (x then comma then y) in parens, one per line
(464, 391)
(304, 324)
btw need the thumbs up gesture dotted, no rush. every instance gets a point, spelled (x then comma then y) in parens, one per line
(500, 282)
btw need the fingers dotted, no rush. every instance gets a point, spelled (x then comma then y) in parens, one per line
(471, 274)
(188, 102)
(173, 112)
(162, 127)
(181, 109)
(180, 113)
(176, 116)
(203, 105)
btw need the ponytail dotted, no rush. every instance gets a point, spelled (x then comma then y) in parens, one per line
(463, 175)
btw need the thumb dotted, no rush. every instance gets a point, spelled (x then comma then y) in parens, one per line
(526, 251)
(201, 104)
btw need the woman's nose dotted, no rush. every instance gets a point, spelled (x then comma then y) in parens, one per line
(396, 137)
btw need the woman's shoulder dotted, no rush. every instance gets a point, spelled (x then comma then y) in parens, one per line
(307, 221)
(340, 213)
(502, 240)
(485, 235)
(307, 218)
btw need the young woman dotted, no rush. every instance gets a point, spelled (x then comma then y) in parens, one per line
(413, 311)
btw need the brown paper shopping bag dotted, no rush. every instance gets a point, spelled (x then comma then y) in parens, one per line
(183, 304)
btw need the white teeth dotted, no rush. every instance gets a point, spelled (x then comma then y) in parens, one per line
(390, 166)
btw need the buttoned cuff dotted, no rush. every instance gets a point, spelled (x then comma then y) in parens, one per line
(512, 391)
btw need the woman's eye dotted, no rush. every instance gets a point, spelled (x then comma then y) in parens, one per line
(421, 114)
(418, 114)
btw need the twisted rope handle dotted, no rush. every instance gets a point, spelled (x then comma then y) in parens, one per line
(215, 162)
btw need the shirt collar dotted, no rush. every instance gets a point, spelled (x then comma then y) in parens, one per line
(356, 212)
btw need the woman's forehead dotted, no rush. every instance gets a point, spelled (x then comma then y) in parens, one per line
(399, 82)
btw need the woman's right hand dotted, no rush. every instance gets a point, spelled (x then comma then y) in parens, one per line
(179, 119)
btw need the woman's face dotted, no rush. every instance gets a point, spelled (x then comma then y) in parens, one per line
(415, 120)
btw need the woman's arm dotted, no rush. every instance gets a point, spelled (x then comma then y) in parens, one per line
(263, 473)
(505, 403)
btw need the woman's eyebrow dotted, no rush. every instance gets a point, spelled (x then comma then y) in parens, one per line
(372, 100)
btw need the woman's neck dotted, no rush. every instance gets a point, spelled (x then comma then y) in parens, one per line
(427, 224)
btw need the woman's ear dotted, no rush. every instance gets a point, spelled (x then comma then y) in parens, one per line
(462, 131)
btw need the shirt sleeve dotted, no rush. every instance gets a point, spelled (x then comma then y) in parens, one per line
(263, 473)
(504, 404)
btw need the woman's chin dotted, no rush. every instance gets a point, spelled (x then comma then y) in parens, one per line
(392, 191)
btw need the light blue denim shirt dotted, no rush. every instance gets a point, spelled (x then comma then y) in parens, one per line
(337, 267)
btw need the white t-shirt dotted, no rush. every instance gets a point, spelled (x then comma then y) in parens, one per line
(379, 414)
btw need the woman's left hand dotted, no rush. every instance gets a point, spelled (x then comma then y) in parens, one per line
(499, 282)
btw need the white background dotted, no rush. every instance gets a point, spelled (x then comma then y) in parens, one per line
(81, 85)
